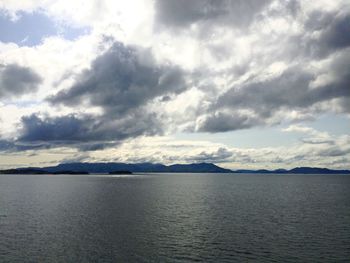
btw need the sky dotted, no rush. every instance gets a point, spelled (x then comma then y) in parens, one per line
(244, 84)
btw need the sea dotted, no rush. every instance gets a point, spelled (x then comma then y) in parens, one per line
(175, 218)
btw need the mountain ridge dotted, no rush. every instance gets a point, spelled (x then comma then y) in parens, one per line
(85, 167)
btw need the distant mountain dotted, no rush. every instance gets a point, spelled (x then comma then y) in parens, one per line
(197, 168)
(117, 168)
(71, 168)
(297, 170)
(23, 171)
(138, 167)
(313, 170)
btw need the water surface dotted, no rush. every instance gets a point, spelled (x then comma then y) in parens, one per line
(174, 218)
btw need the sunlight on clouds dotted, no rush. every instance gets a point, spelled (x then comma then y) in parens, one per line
(231, 66)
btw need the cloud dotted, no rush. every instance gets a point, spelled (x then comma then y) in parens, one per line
(222, 122)
(313, 136)
(11, 146)
(16, 80)
(59, 129)
(299, 128)
(182, 13)
(312, 46)
(291, 89)
(5, 145)
(220, 155)
(337, 34)
(261, 100)
(327, 32)
(122, 80)
(317, 141)
(77, 158)
(194, 66)
(85, 132)
(334, 152)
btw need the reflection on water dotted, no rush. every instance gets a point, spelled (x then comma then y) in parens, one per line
(174, 218)
(123, 175)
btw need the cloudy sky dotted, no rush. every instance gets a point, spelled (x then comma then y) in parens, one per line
(240, 83)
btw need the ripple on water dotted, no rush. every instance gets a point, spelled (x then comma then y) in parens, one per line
(174, 218)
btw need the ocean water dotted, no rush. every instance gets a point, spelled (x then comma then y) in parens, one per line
(175, 218)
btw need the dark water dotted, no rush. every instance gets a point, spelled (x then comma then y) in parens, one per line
(175, 218)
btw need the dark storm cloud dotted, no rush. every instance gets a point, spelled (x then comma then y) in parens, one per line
(325, 33)
(88, 133)
(5, 145)
(222, 122)
(337, 34)
(290, 91)
(14, 146)
(16, 80)
(122, 80)
(183, 13)
(66, 128)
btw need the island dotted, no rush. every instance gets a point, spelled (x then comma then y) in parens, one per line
(38, 171)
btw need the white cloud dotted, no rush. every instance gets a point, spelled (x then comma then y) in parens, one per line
(223, 59)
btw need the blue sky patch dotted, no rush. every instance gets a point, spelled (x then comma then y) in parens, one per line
(31, 28)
